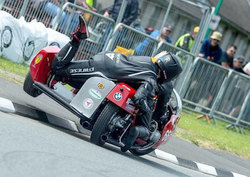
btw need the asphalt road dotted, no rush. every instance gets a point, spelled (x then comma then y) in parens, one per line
(175, 146)
(30, 148)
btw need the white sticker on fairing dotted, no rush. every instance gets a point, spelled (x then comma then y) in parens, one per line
(81, 70)
(95, 93)
(110, 55)
(88, 103)
(167, 134)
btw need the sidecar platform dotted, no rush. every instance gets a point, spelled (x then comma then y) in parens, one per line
(59, 99)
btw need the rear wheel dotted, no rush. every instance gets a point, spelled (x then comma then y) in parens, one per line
(28, 86)
(101, 124)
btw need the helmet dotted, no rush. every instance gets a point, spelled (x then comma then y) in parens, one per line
(170, 66)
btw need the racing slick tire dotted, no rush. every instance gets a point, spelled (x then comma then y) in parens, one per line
(138, 152)
(101, 124)
(28, 86)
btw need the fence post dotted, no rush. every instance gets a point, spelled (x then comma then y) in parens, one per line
(122, 10)
(219, 96)
(23, 9)
(166, 15)
(59, 15)
(156, 48)
(187, 78)
(187, 68)
(243, 108)
(111, 39)
(70, 18)
(205, 20)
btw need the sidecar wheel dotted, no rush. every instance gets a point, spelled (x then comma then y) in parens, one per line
(101, 123)
(138, 152)
(28, 86)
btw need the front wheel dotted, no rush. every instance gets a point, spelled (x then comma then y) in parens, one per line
(138, 152)
(28, 86)
(101, 124)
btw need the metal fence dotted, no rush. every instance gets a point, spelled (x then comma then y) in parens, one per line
(42, 11)
(205, 87)
(234, 104)
(100, 28)
(204, 83)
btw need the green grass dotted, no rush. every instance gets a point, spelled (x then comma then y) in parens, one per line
(19, 69)
(199, 132)
(210, 136)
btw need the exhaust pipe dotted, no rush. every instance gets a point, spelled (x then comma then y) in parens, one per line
(85, 124)
(104, 138)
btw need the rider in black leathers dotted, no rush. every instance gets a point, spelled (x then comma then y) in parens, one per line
(150, 76)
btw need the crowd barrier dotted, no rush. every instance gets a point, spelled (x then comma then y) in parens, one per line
(100, 29)
(129, 38)
(205, 87)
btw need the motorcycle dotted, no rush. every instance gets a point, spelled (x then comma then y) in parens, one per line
(103, 106)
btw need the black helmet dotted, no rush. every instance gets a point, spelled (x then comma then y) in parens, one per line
(169, 65)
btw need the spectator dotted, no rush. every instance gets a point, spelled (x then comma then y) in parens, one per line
(210, 49)
(228, 56)
(129, 39)
(44, 10)
(52, 8)
(149, 30)
(246, 68)
(130, 13)
(163, 36)
(238, 64)
(137, 23)
(236, 105)
(186, 41)
(129, 16)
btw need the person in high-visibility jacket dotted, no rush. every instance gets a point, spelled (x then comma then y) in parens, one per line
(186, 41)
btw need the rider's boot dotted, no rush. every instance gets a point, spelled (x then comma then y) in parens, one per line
(134, 133)
(67, 53)
(81, 32)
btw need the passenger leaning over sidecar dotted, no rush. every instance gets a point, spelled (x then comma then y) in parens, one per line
(154, 76)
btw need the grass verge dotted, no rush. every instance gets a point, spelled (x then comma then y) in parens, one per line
(13, 71)
(196, 131)
(210, 136)
(18, 69)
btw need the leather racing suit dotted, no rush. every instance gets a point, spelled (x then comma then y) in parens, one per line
(138, 71)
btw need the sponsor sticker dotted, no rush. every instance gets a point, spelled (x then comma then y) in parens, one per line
(117, 96)
(100, 85)
(38, 59)
(88, 103)
(110, 55)
(95, 93)
(82, 70)
(126, 87)
(167, 135)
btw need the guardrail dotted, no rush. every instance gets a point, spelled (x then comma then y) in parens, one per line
(12, 7)
(205, 87)
(42, 11)
(129, 38)
(100, 29)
